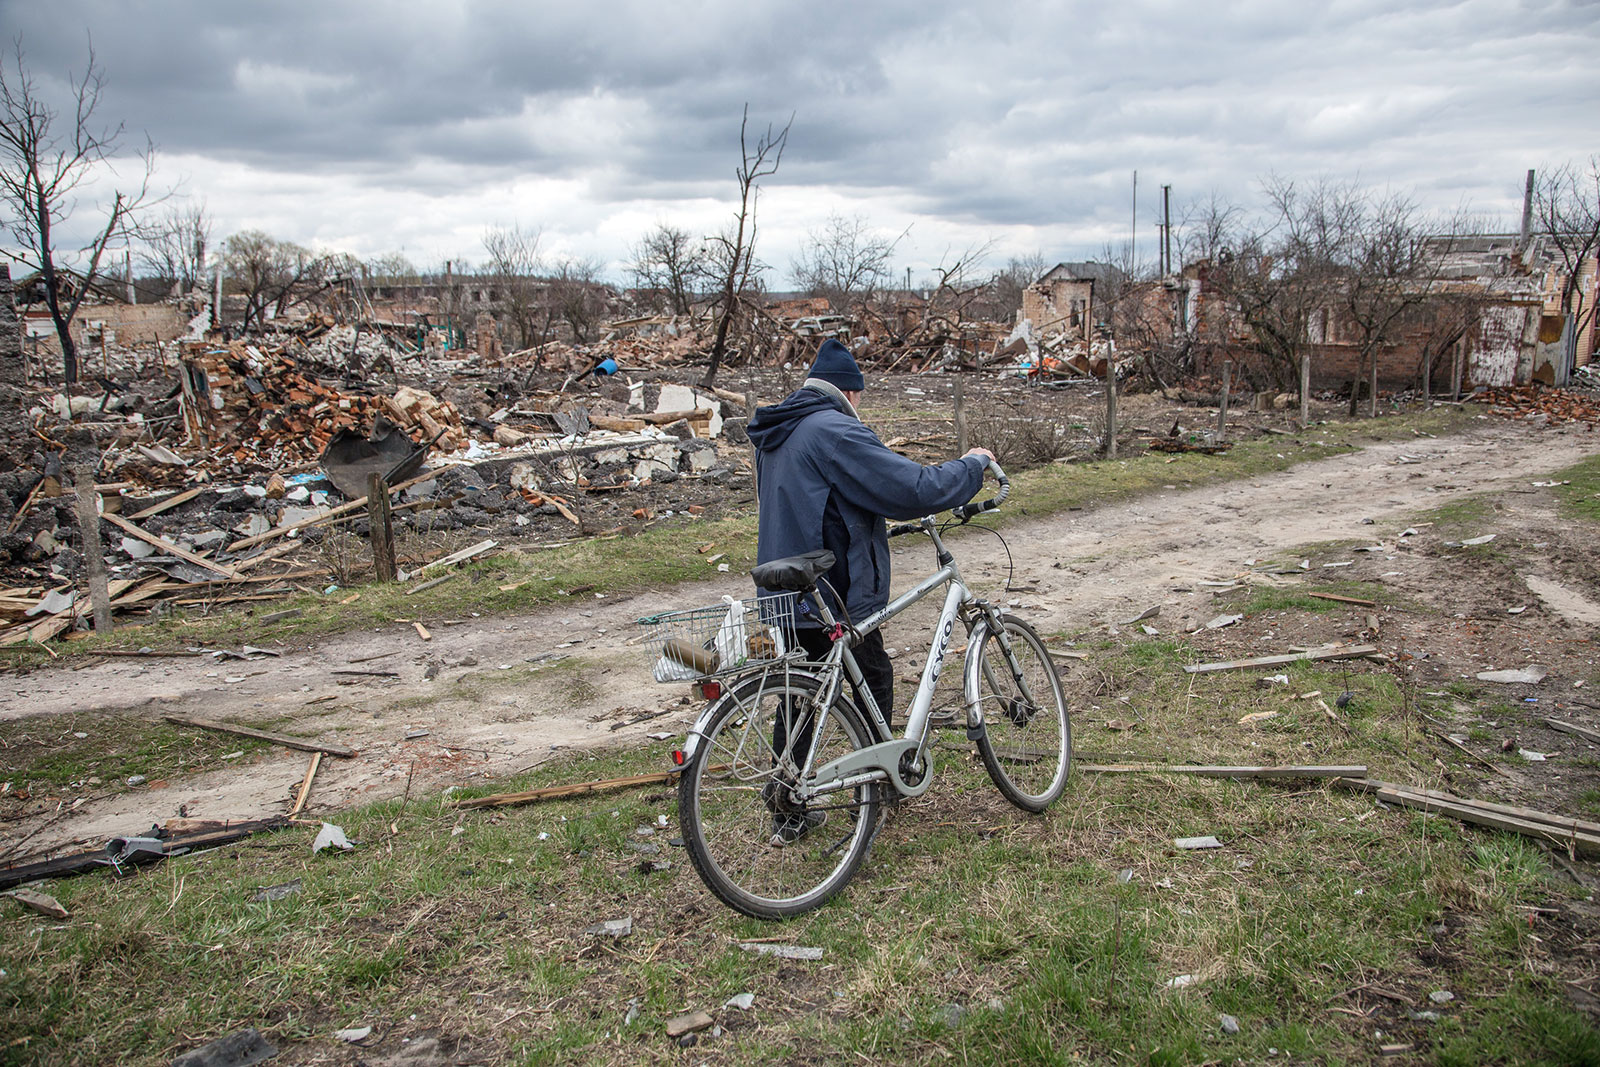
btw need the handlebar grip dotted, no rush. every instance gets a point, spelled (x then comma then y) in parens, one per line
(904, 528)
(966, 511)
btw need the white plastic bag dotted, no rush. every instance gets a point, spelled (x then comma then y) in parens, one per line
(668, 669)
(732, 651)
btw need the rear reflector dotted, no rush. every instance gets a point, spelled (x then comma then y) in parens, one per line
(677, 757)
(710, 690)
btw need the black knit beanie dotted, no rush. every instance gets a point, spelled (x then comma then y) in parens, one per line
(836, 366)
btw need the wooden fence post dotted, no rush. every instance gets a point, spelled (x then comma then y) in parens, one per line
(961, 421)
(93, 552)
(1222, 404)
(1111, 407)
(381, 521)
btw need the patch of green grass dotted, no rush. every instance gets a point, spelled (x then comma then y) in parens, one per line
(1581, 496)
(48, 753)
(975, 932)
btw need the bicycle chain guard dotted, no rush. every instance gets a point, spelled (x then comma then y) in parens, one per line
(884, 756)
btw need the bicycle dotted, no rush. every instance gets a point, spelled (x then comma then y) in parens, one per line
(783, 774)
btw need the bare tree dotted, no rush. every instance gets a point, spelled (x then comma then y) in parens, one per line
(512, 274)
(175, 246)
(669, 262)
(1566, 205)
(1007, 284)
(578, 297)
(1279, 279)
(845, 261)
(270, 274)
(1389, 272)
(43, 161)
(735, 250)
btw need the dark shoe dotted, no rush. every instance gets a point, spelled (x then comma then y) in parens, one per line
(787, 829)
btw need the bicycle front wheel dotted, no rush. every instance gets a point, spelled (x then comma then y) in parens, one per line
(753, 845)
(1027, 740)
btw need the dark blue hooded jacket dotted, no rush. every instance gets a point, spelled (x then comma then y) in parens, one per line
(826, 481)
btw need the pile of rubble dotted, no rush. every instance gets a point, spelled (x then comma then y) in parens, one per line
(1059, 356)
(269, 410)
(1542, 401)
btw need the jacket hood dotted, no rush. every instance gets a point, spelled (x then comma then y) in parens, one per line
(771, 426)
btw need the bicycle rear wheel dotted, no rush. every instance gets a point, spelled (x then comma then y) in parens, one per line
(752, 845)
(1027, 740)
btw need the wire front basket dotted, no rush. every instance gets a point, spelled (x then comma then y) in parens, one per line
(724, 638)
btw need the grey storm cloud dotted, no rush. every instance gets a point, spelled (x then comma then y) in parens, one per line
(1001, 115)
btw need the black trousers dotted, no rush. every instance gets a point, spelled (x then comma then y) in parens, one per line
(870, 657)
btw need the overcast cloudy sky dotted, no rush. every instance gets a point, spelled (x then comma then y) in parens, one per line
(372, 128)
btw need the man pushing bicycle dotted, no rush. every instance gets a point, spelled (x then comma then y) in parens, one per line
(826, 482)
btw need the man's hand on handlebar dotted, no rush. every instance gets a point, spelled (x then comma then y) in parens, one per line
(984, 452)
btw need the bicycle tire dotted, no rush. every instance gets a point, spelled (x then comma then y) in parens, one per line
(728, 811)
(1026, 746)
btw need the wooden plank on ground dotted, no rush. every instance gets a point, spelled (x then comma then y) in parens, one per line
(1344, 599)
(1482, 814)
(551, 792)
(1564, 822)
(1573, 729)
(169, 503)
(1223, 772)
(465, 554)
(1346, 652)
(168, 547)
(261, 735)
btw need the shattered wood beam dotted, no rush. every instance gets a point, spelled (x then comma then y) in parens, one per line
(261, 735)
(342, 509)
(169, 503)
(552, 792)
(1348, 652)
(1224, 772)
(167, 546)
(1555, 829)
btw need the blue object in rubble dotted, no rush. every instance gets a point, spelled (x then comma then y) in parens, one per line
(606, 368)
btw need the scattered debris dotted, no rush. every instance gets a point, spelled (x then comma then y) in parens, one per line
(353, 1034)
(1526, 676)
(1223, 620)
(239, 1049)
(742, 1001)
(784, 952)
(617, 928)
(43, 903)
(277, 892)
(1197, 842)
(331, 836)
(688, 1024)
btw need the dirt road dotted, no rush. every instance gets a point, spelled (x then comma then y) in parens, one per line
(509, 691)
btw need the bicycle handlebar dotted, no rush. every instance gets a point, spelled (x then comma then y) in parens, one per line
(963, 512)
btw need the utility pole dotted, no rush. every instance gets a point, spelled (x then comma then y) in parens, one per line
(1166, 230)
(1133, 230)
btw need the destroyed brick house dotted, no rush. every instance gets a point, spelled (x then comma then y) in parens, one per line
(1489, 317)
